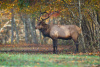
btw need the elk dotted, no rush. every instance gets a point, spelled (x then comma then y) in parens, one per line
(59, 32)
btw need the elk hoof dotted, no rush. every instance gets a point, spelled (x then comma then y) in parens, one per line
(76, 51)
(55, 52)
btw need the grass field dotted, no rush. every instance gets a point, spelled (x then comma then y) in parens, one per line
(47, 60)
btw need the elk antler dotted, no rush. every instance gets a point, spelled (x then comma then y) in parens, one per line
(49, 14)
(38, 19)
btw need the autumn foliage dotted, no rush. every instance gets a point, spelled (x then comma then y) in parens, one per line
(22, 15)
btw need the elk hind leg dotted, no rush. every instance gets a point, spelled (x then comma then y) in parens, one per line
(77, 45)
(55, 46)
(75, 39)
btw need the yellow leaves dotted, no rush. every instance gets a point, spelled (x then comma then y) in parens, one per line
(48, 11)
(1, 14)
(53, 6)
(10, 13)
(67, 1)
(97, 6)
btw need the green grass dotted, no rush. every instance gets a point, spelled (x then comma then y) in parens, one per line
(47, 60)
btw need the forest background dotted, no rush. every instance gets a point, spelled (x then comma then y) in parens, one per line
(19, 17)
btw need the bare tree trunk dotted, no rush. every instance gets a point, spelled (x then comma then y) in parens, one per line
(25, 28)
(80, 23)
(31, 29)
(12, 28)
(95, 33)
(17, 37)
(34, 31)
(28, 29)
(97, 28)
(40, 37)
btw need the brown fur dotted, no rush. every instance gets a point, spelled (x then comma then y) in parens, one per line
(59, 32)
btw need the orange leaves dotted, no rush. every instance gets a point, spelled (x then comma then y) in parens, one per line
(58, 0)
(96, 53)
(2, 31)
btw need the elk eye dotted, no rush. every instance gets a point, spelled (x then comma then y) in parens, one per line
(39, 23)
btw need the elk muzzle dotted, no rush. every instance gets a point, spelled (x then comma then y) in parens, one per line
(38, 27)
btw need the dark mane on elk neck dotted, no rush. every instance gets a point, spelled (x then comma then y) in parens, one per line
(59, 32)
(45, 30)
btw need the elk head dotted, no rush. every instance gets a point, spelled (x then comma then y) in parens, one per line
(42, 23)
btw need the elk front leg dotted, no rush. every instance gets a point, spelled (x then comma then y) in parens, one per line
(76, 43)
(55, 46)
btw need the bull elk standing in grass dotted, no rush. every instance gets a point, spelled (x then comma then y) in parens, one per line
(59, 32)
